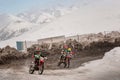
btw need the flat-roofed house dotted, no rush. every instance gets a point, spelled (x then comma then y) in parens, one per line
(50, 40)
(23, 45)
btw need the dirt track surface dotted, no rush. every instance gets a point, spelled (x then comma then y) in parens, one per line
(14, 71)
(18, 70)
(76, 61)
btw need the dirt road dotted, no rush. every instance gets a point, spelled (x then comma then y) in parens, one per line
(18, 70)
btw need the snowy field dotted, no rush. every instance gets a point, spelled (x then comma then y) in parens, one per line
(103, 69)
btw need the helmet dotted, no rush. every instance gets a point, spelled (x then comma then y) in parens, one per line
(69, 49)
(37, 50)
(65, 46)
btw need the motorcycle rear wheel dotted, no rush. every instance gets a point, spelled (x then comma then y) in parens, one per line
(31, 69)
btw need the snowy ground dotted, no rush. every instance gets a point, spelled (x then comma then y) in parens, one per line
(103, 69)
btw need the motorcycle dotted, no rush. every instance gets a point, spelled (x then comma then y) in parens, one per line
(65, 60)
(37, 65)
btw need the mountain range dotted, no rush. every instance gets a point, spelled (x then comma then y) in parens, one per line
(91, 17)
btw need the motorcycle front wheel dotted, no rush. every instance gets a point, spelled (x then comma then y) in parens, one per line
(41, 69)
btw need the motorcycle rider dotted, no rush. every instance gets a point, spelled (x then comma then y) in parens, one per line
(67, 51)
(65, 54)
(38, 55)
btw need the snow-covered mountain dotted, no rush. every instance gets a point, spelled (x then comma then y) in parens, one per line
(45, 15)
(93, 17)
(12, 26)
(39, 17)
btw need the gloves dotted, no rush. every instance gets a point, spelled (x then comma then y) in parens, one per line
(45, 58)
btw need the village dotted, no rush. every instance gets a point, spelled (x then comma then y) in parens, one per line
(84, 39)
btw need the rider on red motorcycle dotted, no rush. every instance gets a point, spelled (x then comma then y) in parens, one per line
(38, 55)
(38, 64)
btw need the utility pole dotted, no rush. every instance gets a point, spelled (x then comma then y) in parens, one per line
(25, 46)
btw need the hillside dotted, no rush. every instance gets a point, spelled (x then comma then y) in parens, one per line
(13, 26)
(93, 17)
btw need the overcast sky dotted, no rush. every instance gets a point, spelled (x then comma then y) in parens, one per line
(17, 6)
